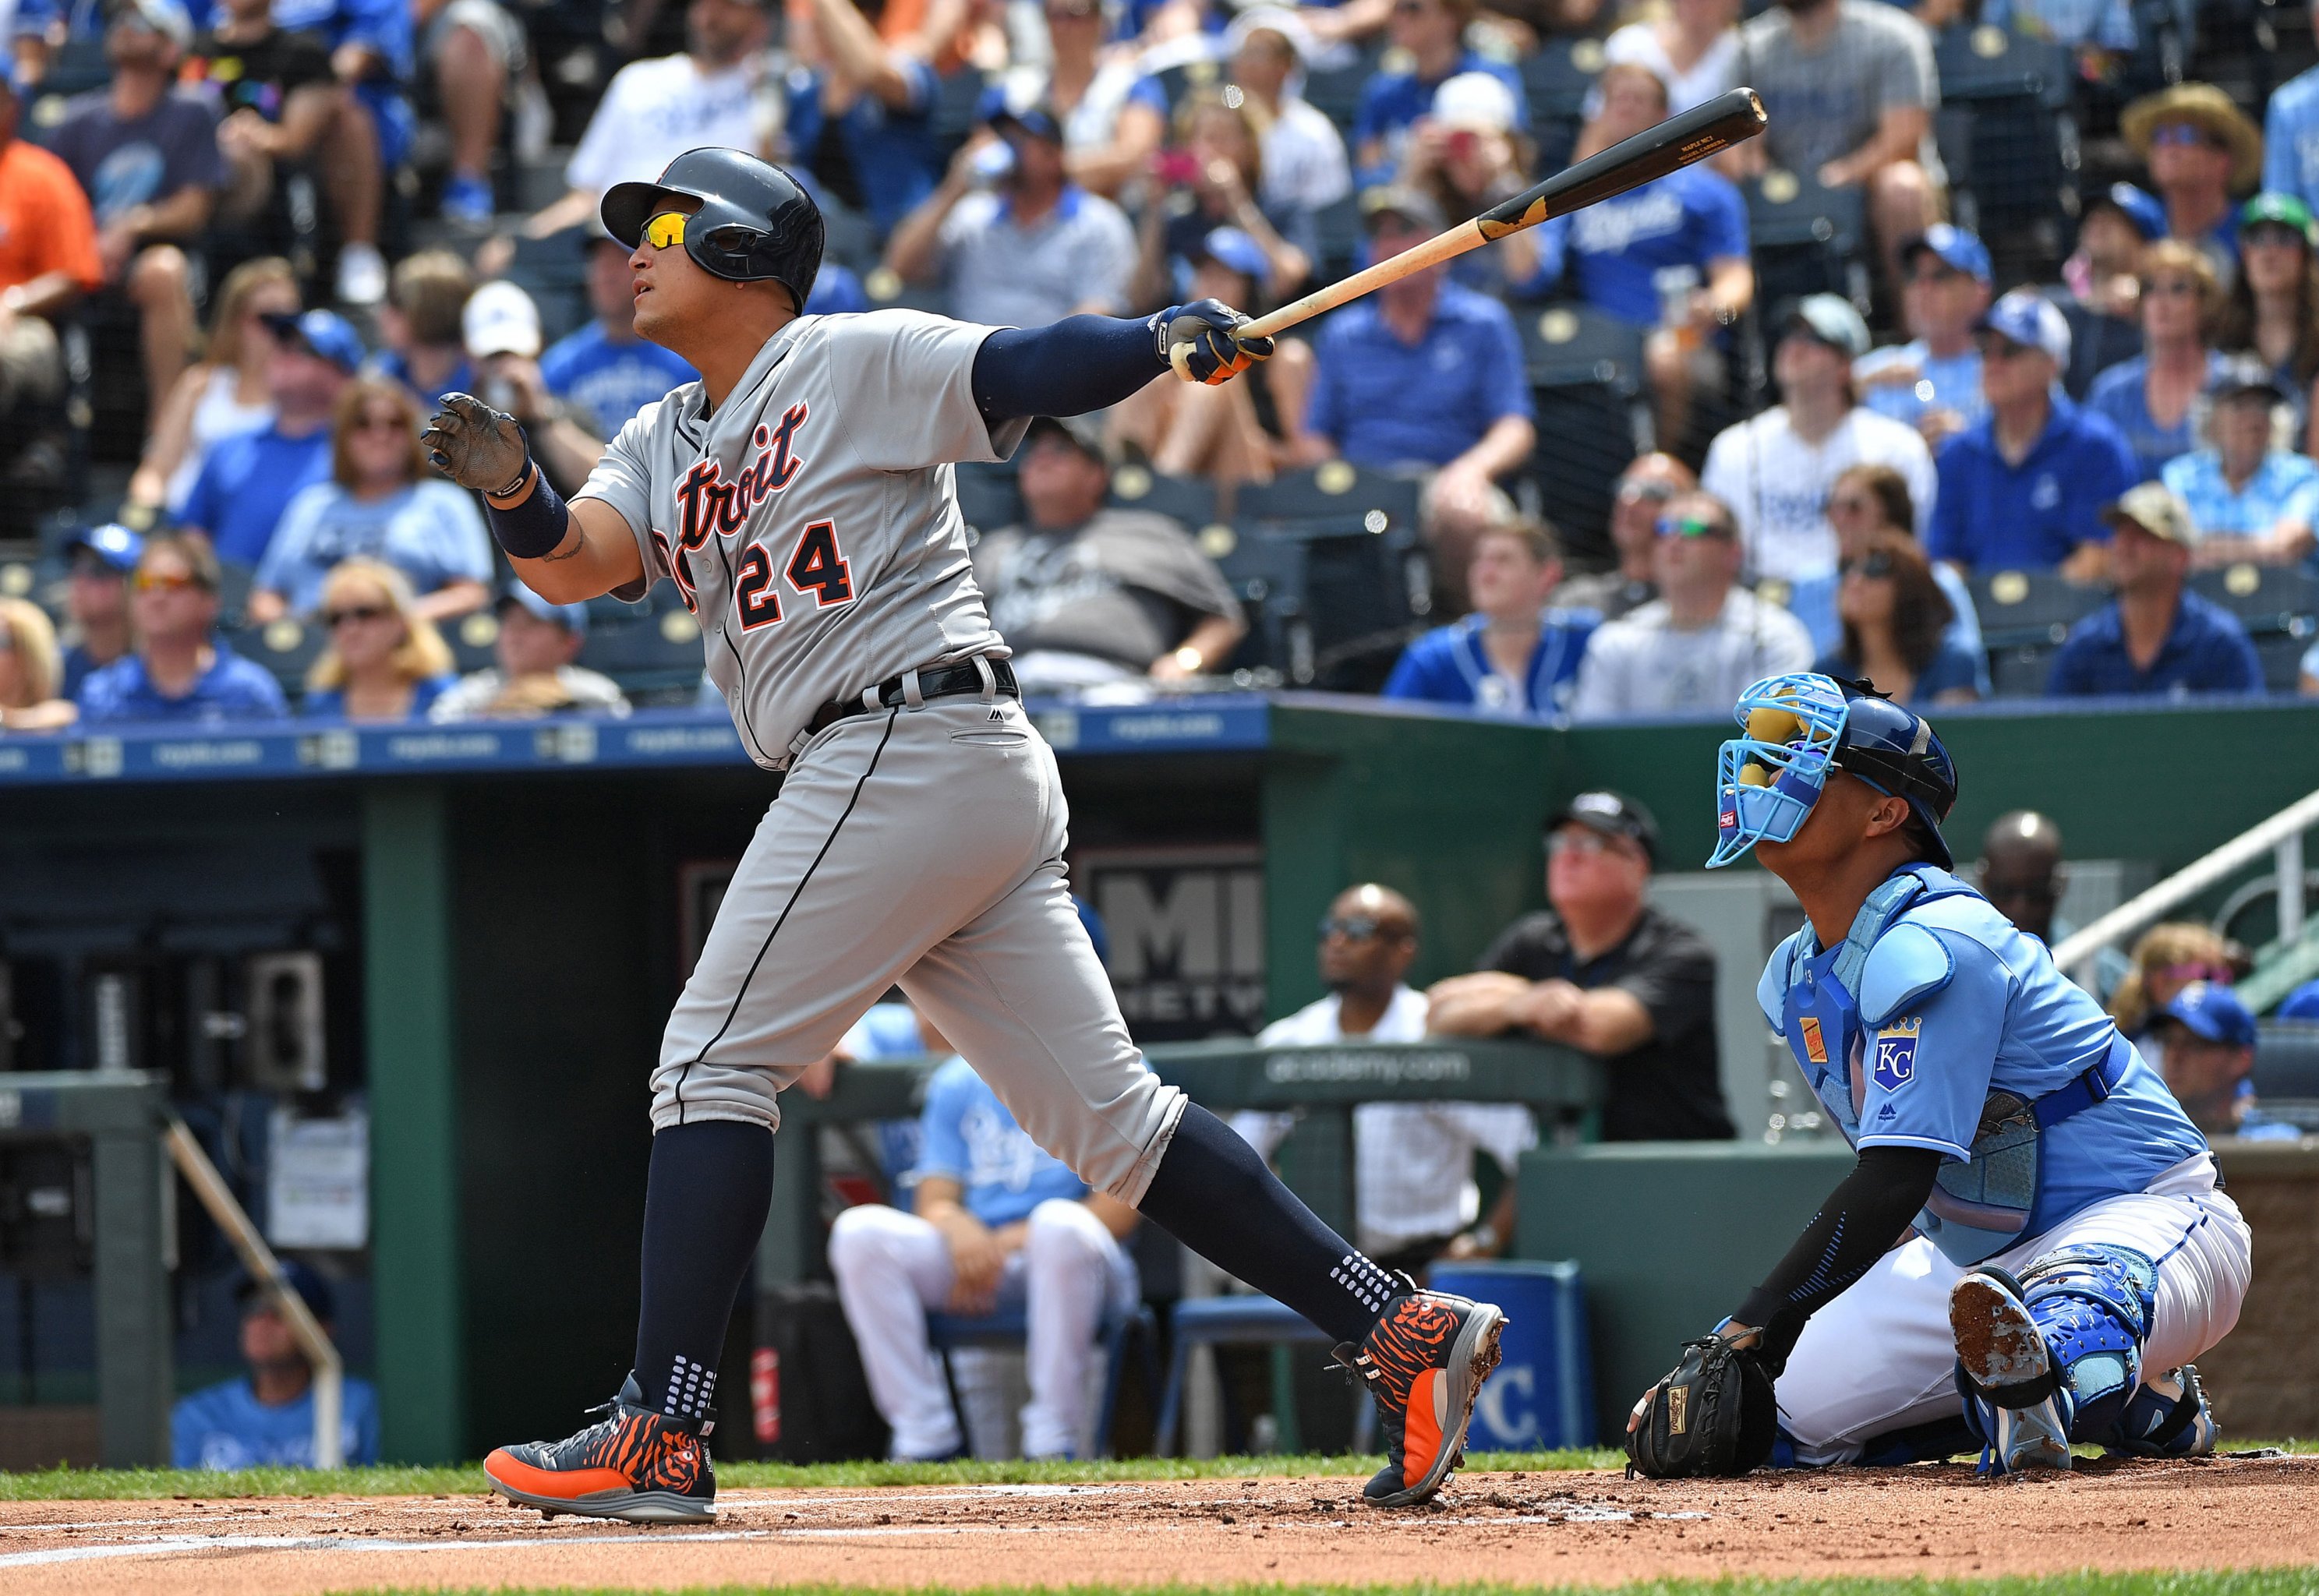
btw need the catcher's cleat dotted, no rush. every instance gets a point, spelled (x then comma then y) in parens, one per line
(1424, 1362)
(2015, 1397)
(635, 1465)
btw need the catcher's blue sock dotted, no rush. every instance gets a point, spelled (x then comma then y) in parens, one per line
(1213, 1193)
(705, 1203)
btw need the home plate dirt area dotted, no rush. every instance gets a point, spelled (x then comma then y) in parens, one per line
(1595, 1528)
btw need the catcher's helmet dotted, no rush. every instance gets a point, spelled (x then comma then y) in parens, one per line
(753, 222)
(1798, 727)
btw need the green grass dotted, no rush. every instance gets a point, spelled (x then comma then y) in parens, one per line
(144, 1484)
(2267, 1581)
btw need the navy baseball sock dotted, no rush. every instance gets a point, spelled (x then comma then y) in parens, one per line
(705, 1203)
(1213, 1193)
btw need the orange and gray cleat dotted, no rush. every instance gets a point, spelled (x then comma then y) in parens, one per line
(1424, 1363)
(635, 1465)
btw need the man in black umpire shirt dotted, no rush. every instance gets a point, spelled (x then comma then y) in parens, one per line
(1605, 972)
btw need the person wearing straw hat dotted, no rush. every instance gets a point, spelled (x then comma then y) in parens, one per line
(2201, 150)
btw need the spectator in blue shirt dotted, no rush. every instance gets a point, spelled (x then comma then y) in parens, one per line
(97, 601)
(2248, 500)
(2200, 149)
(1933, 382)
(385, 661)
(250, 477)
(2206, 1051)
(2152, 398)
(381, 502)
(877, 98)
(266, 1419)
(2023, 488)
(1432, 33)
(1512, 656)
(2156, 638)
(2290, 136)
(997, 1222)
(605, 370)
(180, 671)
(1671, 256)
(1424, 374)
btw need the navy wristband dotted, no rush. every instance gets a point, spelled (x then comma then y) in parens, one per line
(535, 528)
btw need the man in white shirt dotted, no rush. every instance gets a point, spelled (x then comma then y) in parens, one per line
(1692, 650)
(1412, 1162)
(717, 93)
(1775, 469)
(1305, 167)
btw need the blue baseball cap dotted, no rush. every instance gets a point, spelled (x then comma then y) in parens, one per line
(1954, 248)
(324, 334)
(1234, 250)
(2137, 206)
(2027, 318)
(301, 1277)
(2302, 1003)
(113, 542)
(2214, 1012)
(571, 617)
(1013, 101)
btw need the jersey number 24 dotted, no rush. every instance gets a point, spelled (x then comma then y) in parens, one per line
(817, 566)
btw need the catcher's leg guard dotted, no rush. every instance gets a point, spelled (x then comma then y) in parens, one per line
(2166, 1417)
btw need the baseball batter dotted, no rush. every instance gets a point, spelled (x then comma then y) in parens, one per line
(2065, 1250)
(799, 496)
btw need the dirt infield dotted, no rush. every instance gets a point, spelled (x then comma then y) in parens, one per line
(1596, 1527)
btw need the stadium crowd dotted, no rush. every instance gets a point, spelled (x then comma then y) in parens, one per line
(248, 247)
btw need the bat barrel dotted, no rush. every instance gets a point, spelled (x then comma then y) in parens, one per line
(1707, 128)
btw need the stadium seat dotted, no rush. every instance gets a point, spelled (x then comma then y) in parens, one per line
(1186, 77)
(955, 100)
(1337, 238)
(2281, 654)
(2006, 134)
(947, 1332)
(1190, 500)
(1334, 493)
(2020, 671)
(1266, 574)
(1557, 78)
(649, 655)
(286, 648)
(2286, 1060)
(1335, 92)
(2266, 598)
(2028, 607)
(1586, 371)
(1806, 238)
(849, 238)
(1236, 1320)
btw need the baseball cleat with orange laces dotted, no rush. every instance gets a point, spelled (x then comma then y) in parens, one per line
(635, 1465)
(1424, 1363)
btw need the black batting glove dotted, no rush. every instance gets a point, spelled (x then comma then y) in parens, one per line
(477, 446)
(1201, 343)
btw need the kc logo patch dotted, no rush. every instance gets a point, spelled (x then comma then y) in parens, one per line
(1815, 1048)
(1896, 1054)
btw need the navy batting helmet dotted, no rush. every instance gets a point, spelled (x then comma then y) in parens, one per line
(1799, 728)
(745, 221)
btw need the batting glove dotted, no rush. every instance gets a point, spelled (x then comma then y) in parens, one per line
(1202, 341)
(477, 446)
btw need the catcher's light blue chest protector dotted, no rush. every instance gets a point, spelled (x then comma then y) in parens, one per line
(1843, 1012)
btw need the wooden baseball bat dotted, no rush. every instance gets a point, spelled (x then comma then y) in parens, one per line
(1730, 117)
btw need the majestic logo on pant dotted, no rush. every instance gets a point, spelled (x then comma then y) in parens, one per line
(708, 506)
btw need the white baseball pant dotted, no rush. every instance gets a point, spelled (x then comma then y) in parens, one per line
(925, 847)
(892, 1267)
(1881, 1357)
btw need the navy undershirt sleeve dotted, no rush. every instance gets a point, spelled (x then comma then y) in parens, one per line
(1863, 1218)
(1078, 364)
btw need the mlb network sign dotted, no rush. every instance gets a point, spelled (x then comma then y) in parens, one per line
(1186, 930)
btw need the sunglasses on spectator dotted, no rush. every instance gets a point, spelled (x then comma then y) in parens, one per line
(2170, 285)
(1582, 841)
(355, 612)
(1353, 928)
(1997, 346)
(2271, 235)
(165, 582)
(2183, 134)
(666, 231)
(1690, 526)
(2197, 970)
(1879, 564)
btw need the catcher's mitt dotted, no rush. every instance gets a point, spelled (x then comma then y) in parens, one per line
(1713, 1415)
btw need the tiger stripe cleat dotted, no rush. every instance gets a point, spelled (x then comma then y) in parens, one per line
(633, 1465)
(1424, 1363)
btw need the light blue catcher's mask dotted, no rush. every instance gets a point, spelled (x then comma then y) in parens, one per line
(1767, 779)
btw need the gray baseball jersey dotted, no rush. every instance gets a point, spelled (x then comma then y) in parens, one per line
(810, 521)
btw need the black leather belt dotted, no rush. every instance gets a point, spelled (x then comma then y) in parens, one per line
(946, 682)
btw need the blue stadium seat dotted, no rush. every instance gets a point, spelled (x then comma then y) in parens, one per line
(1236, 1320)
(286, 648)
(2020, 671)
(1190, 500)
(1557, 77)
(947, 1332)
(2281, 654)
(2287, 1060)
(2006, 136)
(1585, 371)
(1333, 493)
(2030, 607)
(2266, 598)
(1806, 238)
(1336, 91)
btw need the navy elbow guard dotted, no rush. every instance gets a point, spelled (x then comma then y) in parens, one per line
(535, 528)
